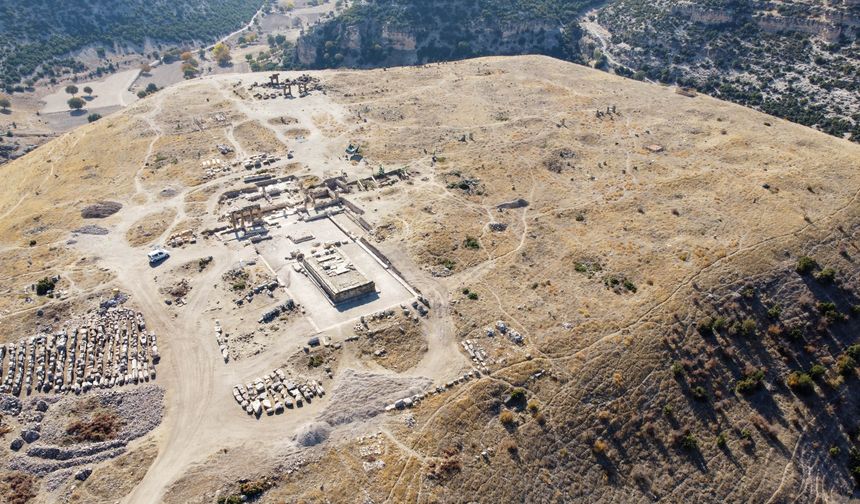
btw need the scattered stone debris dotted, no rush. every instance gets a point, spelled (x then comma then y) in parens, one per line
(101, 210)
(414, 399)
(274, 313)
(136, 412)
(498, 227)
(91, 230)
(477, 354)
(221, 339)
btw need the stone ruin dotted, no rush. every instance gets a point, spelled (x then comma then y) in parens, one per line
(274, 392)
(305, 84)
(107, 349)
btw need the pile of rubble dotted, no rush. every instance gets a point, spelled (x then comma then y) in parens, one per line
(274, 392)
(44, 446)
(277, 311)
(259, 161)
(415, 399)
(267, 287)
(181, 238)
(215, 167)
(477, 354)
(109, 348)
(504, 330)
(362, 326)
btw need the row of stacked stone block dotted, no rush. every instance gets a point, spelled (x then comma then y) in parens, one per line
(103, 350)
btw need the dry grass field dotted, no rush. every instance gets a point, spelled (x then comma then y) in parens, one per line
(648, 247)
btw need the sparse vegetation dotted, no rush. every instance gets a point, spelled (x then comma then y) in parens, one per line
(100, 426)
(315, 360)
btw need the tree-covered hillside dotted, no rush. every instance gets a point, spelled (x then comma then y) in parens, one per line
(442, 30)
(36, 35)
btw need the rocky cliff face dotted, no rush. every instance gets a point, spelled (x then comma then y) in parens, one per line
(370, 44)
(827, 23)
(405, 33)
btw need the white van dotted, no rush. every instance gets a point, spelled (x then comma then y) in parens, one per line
(158, 255)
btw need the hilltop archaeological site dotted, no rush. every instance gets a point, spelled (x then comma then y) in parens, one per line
(497, 280)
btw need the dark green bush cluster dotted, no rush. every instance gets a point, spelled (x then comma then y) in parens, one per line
(800, 382)
(45, 285)
(805, 265)
(750, 382)
(471, 243)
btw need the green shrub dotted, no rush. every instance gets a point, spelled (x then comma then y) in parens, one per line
(471, 243)
(801, 382)
(721, 440)
(853, 351)
(315, 361)
(827, 275)
(795, 334)
(629, 285)
(826, 308)
(749, 327)
(44, 286)
(252, 489)
(805, 264)
(705, 326)
(774, 311)
(473, 296)
(689, 442)
(677, 369)
(817, 371)
(845, 364)
(750, 382)
(700, 393)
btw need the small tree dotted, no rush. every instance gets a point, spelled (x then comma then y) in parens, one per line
(151, 88)
(72, 89)
(5, 102)
(94, 117)
(145, 68)
(221, 53)
(76, 103)
(186, 56)
(88, 90)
